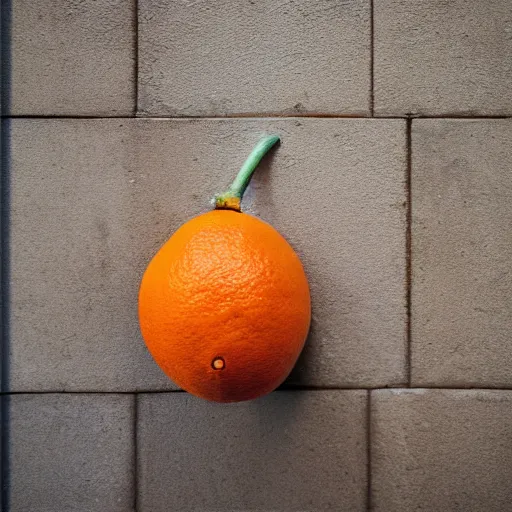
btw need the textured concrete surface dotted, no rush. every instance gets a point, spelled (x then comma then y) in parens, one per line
(462, 253)
(80, 221)
(286, 452)
(229, 57)
(446, 450)
(71, 453)
(73, 57)
(442, 58)
(92, 201)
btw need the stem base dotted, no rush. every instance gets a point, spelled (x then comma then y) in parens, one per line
(226, 202)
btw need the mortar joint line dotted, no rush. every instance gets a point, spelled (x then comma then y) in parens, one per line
(372, 60)
(369, 503)
(136, 58)
(255, 116)
(135, 452)
(408, 249)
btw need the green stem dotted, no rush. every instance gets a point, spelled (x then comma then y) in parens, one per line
(233, 196)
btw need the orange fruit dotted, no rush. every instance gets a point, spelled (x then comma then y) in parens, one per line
(224, 306)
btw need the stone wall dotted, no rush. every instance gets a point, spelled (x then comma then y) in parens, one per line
(393, 182)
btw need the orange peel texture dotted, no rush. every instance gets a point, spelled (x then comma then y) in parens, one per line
(224, 307)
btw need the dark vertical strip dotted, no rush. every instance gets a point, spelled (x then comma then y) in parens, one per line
(408, 249)
(369, 502)
(372, 59)
(136, 56)
(5, 98)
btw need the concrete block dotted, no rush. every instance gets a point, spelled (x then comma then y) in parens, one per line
(93, 200)
(443, 450)
(443, 58)
(82, 219)
(71, 452)
(73, 58)
(462, 253)
(230, 57)
(290, 451)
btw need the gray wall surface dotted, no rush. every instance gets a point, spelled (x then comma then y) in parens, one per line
(393, 182)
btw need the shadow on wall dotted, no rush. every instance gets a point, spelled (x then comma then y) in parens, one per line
(285, 414)
(5, 95)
